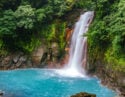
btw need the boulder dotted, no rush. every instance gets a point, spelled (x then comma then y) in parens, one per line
(23, 58)
(1, 93)
(83, 94)
(15, 59)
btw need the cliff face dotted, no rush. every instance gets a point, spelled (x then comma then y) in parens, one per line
(53, 48)
(15, 60)
(109, 77)
(41, 57)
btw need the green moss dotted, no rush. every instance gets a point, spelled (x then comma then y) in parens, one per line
(115, 63)
(54, 32)
(29, 47)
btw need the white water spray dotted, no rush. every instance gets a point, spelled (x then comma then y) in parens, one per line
(78, 48)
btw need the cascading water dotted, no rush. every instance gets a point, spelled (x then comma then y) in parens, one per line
(47, 83)
(78, 48)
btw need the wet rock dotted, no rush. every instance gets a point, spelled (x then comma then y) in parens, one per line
(44, 60)
(6, 60)
(68, 34)
(54, 51)
(37, 55)
(16, 58)
(19, 64)
(83, 94)
(122, 91)
(29, 63)
(1, 93)
(23, 59)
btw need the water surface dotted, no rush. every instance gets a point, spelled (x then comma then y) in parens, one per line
(46, 83)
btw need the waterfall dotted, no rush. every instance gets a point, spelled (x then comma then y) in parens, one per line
(78, 48)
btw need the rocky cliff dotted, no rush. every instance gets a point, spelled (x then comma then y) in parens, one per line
(109, 77)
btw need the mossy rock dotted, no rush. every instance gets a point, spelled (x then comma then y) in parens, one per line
(83, 94)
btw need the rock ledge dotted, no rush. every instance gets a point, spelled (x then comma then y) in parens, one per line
(83, 94)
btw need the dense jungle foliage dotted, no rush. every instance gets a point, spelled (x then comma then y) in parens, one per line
(107, 33)
(24, 22)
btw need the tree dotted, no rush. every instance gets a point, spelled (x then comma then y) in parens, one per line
(37, 3)
(9, 4)
(25, 16)
(7, 23)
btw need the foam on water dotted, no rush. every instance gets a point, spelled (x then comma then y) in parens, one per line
(70, 73)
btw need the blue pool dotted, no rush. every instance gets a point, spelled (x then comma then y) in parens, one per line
(46, 83)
